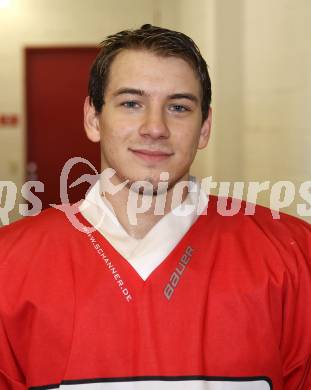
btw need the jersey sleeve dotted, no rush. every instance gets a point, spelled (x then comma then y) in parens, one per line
(36, 295)
(296, 333)
(306, 380)
(10, 375)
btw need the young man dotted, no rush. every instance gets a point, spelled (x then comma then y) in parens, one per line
(164, 299)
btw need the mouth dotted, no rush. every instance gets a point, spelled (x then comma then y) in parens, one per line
(151, 155)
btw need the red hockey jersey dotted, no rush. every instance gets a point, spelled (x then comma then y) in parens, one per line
(228, 309)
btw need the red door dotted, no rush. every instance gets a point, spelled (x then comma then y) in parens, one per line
(56, 86)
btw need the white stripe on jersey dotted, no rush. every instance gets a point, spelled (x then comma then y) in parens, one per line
(172, 385)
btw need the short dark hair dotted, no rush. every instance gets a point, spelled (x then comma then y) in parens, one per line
(158, 40)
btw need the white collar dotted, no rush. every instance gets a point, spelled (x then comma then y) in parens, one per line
(145, 254)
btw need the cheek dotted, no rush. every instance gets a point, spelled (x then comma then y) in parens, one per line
(114, 142)
(186, 133)
(188, 143)
(118, 130)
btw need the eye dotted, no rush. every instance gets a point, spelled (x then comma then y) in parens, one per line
(179, 108)
(130, 104)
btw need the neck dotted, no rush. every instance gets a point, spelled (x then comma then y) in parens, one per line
(137, 213)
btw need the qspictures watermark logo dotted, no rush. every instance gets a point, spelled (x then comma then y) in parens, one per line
(281, 194)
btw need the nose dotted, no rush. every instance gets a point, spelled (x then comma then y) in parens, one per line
(154, 124)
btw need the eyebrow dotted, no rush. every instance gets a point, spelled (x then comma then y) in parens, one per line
(140, 92)
(129, 91)
(186, 95)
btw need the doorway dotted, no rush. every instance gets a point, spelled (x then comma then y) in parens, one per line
(56, 86)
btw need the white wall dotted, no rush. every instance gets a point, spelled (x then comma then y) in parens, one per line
(277, 91)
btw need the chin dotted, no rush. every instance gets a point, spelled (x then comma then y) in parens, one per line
(152, 183)
(153, 178)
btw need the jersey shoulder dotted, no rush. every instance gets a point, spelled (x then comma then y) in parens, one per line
(283, 243)
(40, 242)
(238, 216)
(50, 224)
(36, 256)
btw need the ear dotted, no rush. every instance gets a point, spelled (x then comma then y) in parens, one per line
(91, 121)
(205, 130)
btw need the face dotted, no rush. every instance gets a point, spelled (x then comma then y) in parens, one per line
(151, 121)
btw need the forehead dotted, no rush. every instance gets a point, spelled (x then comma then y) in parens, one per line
(152, 73)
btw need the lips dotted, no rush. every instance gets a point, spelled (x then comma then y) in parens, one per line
(151, 155)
